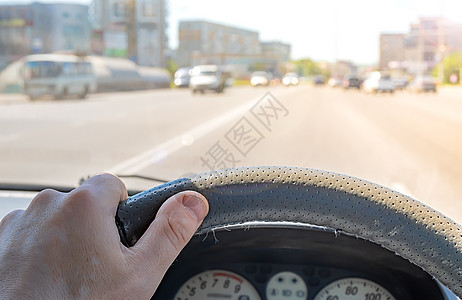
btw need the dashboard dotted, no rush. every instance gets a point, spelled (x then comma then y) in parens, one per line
(292, 261)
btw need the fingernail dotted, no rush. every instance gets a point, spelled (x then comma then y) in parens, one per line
(196, 205)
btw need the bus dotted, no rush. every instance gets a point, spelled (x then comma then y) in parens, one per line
(57, 75)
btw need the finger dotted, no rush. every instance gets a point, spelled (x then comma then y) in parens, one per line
(174, 225)
(105, 189)
(10, 217)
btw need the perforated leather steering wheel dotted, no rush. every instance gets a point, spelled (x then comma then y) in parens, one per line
(405, 226)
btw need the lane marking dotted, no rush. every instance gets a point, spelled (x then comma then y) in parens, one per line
(159, 152)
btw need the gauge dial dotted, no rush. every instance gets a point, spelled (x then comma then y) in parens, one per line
(352, 289)
(217, 284)
(286, 285)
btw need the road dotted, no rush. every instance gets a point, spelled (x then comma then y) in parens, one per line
(411, 143)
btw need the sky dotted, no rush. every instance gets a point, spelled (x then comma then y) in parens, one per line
(318, 29)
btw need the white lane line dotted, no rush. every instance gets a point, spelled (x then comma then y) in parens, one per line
(159, 152)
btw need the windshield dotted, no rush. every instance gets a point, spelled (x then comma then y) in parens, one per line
(40, 69)
(204, 72)
(117, 91)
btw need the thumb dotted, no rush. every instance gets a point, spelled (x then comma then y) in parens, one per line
(175, 223)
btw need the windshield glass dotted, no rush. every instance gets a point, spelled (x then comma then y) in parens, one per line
(102, 85)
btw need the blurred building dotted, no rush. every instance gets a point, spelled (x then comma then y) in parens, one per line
(112, 36)
(42, 28)
(202, 42)
(391, 50)
(428, 41)
(276, 50)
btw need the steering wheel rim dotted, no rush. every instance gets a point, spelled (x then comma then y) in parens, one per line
(397, 222)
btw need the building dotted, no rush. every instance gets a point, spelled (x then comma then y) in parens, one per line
(42, 28)
(276, 50)
(202, 42)
(421, 49)
(391, 50)
(429, 41)
(138, 34)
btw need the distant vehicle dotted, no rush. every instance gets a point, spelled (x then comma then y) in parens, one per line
(290, 79)
(319, 80)
(378, 83)
(121, 74)
(57, 75)
(260, 78)
(423, 84)
(400, 83)
(351, 82)
(276, 80)
(208, 77)
(182, 77)
(154, 78)
(335, 81)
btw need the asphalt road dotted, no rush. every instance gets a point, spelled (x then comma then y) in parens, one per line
(409, 142)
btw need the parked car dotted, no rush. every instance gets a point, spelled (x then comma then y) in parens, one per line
(335, 81)
(319, 80)
(182, 77)
(351, 82)
(423, 84)
(290, 79)
(260, 78)
(400, 83)
(377, 82)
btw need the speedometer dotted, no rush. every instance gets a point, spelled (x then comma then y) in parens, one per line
(352, 289)
(217, 284)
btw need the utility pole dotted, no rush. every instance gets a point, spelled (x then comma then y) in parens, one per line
(420, 49)
(441, 50)
(132, 32)
(163, 62)
(441, 45)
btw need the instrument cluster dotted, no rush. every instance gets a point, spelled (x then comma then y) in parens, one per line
(292, 262)
(270, 281)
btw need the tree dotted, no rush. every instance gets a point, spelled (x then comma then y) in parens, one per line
(452, 65)
(307, 67)
(172, 67)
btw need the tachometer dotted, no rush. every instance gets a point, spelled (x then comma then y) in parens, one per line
(352, 289)
(217, 284)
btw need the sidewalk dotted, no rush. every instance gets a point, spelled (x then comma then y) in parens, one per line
(451, 91)
(13, 98)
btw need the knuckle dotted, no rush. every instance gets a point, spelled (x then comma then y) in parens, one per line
(44, 198)
(81, 196)
(177, 231)
(11, 216)
(108, 178)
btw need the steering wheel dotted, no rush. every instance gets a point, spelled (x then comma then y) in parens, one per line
(404, 226)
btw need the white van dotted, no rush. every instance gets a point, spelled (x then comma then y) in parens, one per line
(57, 75)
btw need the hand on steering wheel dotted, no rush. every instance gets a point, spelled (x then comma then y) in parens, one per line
(67, 245)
